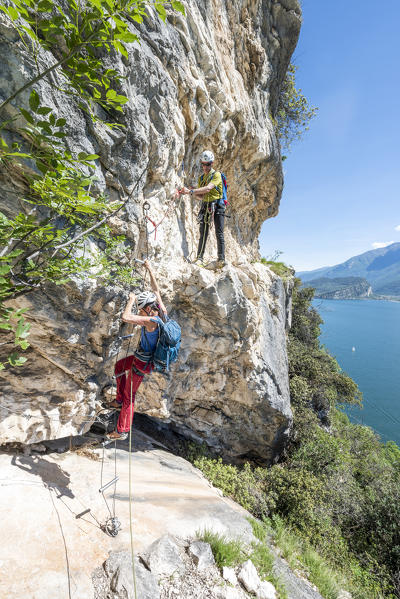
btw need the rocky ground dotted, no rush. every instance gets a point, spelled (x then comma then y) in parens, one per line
(49, 548)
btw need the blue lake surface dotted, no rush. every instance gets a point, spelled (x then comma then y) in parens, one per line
(372, 328)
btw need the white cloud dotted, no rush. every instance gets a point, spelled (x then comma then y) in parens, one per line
(381, 244)
(397, 228)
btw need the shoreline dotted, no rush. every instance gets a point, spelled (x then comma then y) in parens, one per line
(376, 299)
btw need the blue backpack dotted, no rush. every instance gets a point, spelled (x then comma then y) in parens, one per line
(168, 344)
(222, 202)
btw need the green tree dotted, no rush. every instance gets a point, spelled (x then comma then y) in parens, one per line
(47, 241)
(294, 112)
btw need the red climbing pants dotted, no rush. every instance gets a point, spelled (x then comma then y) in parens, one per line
(127, 385)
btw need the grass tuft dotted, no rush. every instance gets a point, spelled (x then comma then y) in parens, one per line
(226, 552)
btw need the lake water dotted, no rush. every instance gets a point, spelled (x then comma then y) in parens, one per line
(372, 328)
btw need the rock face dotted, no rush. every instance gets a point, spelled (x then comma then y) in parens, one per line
(207, 80)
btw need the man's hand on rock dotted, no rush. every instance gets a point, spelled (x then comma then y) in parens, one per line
(184, 191)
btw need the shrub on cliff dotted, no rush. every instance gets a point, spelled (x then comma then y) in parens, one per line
(361, 474)
(316, 379)
(294, 111)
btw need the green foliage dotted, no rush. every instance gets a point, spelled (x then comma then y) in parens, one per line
(294, 112)
(334, 502)
(226, 552)
(301, 556)
(232, 553)
(315, 377)
(102, 25)
(260, 529)
(262, 558)
(64, 218)
(244, 485)
(279, 268)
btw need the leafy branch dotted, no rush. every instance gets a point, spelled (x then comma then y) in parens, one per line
(62, 208)
(294, 112)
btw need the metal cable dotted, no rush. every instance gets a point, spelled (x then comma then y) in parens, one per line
(115, 475)
(101, 481)
(146, 208)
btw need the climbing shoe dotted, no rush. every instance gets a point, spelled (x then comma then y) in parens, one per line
(116, 436)
(199, 262)
(113, 405)
(215, 264)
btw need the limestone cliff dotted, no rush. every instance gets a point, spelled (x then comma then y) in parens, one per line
(209, 80)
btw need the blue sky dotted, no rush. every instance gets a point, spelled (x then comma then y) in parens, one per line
(341, 194)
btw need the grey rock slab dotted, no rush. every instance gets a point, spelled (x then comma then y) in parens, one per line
(266, 590)
(249, 577)
(296, 587)
(229, 575)
(201, 554)
(163, 557)
(228, 593)
(121, 574)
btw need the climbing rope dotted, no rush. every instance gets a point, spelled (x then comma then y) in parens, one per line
(146, 208)
(112, 525)
(131, 499)
(170, 207)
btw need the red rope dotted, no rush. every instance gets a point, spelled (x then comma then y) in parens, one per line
(165, 215)
(154, 225)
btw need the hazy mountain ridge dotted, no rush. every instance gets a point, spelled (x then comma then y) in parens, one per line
(340, 287)
(380, 267)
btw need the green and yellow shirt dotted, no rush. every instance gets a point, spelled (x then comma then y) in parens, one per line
(213, 177)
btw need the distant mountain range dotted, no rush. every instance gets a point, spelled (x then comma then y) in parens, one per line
(379, 268)
(340, 287)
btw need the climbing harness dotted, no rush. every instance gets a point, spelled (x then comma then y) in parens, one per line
(205, 217)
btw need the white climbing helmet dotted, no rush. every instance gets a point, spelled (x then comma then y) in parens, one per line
(145, 298)
(207, 156)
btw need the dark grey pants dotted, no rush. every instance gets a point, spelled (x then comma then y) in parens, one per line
(205, 220)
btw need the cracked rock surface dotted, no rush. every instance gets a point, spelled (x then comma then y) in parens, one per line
(207, 80)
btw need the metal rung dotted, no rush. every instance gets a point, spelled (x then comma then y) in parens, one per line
(112, 482)
(120, 374)
(108, 442)
(127, 336)
(82, 513)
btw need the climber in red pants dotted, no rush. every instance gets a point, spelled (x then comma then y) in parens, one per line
(130, 371)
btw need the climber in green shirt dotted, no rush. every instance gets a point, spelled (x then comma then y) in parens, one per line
(209, 192)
